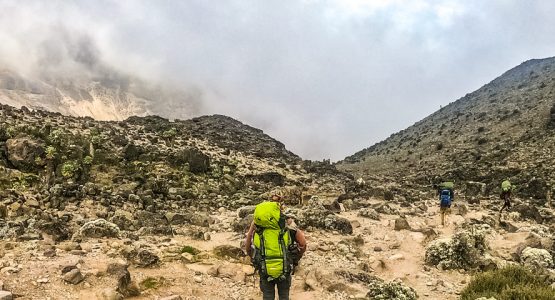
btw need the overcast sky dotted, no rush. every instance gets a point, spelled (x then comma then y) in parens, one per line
(327, 78)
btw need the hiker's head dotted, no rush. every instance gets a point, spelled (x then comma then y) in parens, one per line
(276, 195)
(276, 198)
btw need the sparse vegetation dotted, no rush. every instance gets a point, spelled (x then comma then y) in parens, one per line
(509, 283)
(69, 169)
(152, 283)
(190, 250)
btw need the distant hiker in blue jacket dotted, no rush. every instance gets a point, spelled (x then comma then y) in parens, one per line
(446, 196)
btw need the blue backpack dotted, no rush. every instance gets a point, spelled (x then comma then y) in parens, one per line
(445, 197)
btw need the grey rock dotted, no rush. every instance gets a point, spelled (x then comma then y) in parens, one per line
(74, 276)
(173, 297)
(402, 224)
(5, 295)
(22, 152)
(369, 213)
(146, 258)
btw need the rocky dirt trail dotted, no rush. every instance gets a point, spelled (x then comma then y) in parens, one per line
(391, 246)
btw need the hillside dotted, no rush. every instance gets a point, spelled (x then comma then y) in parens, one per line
(504, 129)
(148, 157)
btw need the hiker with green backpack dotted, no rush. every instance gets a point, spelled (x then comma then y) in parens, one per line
(274, 248)
(506, 191)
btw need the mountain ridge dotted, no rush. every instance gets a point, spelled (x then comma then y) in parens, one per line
(491, 133)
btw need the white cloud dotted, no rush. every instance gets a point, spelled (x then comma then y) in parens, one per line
(325, 77)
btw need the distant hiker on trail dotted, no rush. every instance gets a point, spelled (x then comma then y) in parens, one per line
(268, 235)
(446, 196)
(506, 191)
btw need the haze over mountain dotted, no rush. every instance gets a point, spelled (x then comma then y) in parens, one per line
(325, 77)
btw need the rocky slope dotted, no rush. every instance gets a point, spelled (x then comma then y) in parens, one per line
(504, 129)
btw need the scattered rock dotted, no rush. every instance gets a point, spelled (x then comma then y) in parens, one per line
(5, 295)
(173, 297)
(324, 219)
(110, 294)
(126, 287)
(402, 224)
(23, 152)
(146, 258)
(74, 276)
(528, 212)
(369, 213)
(229, 251)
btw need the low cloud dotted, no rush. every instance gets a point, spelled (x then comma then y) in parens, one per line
(327, 78)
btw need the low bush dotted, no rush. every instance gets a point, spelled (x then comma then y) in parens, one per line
(512, 282)
(190, 250)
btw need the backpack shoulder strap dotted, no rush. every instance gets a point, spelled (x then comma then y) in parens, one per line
(293, 235)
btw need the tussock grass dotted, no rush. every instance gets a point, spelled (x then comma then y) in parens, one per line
(190, 250)
(152, 283)
(509, 283)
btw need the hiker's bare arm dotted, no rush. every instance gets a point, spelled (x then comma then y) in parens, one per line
(301, 241)
(248, 239)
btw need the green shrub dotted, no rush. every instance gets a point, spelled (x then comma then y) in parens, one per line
(69, 169)
(59, 138)
(88, 160)
(190, 250)
(512, 282)
(170, 133)
(152, 283)
(51, 152)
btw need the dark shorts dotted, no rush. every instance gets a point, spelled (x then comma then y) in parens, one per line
(505, 194)
(268, 288)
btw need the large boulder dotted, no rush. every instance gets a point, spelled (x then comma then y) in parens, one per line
(24, 151)
(323, 219)
(146, 258)
(54, 227)
(528, 212)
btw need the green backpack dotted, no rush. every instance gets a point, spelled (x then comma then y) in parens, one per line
(271, 242)
(447, 185)
(506, 186)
